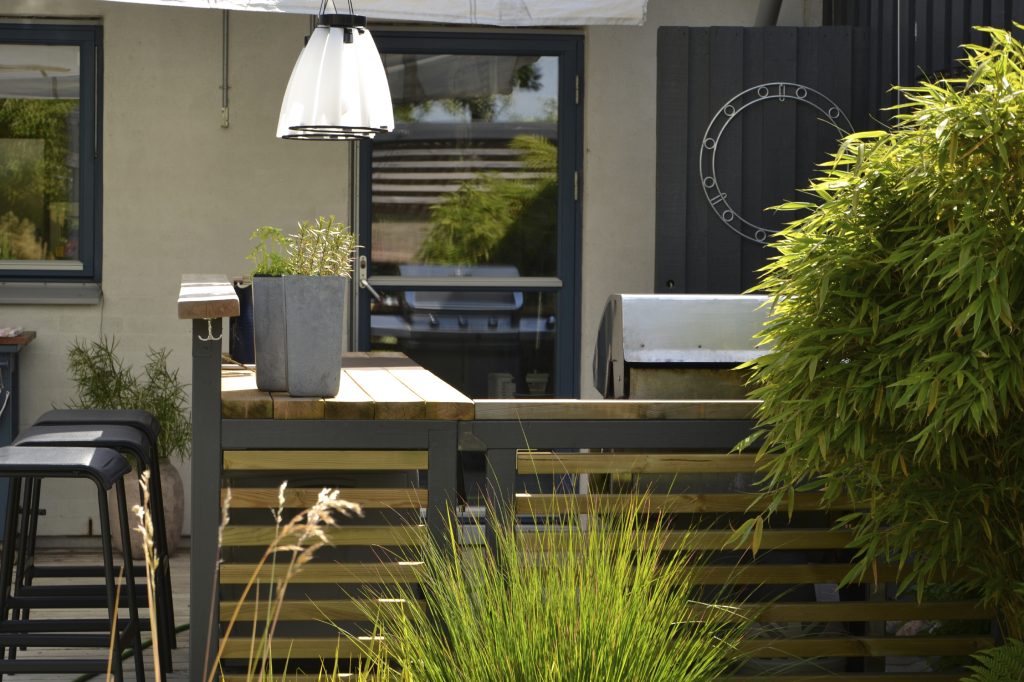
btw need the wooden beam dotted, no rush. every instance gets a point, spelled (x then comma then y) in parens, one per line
(205, 297)
(302, 498)
(614, 409)
(340, 536)
(324, 460)
(634, 463)
(328, 574)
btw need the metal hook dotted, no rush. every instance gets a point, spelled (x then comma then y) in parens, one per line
(209, 332)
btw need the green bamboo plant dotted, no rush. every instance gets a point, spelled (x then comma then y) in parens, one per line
(895, 375)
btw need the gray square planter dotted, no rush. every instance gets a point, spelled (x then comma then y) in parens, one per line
(268, 333)
(314, 311)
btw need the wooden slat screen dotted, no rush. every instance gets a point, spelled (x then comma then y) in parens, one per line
(800, 619)
(333, 591)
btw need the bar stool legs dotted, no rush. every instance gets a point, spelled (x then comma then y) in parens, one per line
(24, 466)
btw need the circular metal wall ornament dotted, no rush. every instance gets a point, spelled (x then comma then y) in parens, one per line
(778, 91)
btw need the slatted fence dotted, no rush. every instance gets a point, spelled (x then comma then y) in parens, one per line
(550, 458)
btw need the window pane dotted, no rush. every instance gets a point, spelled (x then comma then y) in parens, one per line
(39, 164)
(486, 344)
(469, 176)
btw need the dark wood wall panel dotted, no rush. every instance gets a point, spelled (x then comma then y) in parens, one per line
(765, 154)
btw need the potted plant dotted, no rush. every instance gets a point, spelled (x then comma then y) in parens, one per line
(269, 257)
(300, 280)
(103, 381)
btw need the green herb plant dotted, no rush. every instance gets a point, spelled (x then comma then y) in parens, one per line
(602, 603)
(269, 256)
(321, 247)
(1004, 663)
(103, 381)
(895, 376)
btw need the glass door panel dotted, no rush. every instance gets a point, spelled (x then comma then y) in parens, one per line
(467, 198)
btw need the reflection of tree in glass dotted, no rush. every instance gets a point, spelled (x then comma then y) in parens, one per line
(492, 219)
(484, 107)
(28, 186)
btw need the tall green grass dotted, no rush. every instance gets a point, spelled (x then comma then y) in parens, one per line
(567, 603)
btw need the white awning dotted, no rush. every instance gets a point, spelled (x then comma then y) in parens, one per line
(485, 12)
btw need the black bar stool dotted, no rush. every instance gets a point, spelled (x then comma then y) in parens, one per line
(130, 441)
(106, 469)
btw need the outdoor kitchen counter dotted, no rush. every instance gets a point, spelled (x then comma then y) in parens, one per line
(373, 386)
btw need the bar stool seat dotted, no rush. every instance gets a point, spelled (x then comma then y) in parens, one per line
(106, 469)
(132, 441)
(139, 419)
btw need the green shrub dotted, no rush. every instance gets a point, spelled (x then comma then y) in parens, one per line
(103, 381)
(1000, 664)
(895, 376)
(567, 604)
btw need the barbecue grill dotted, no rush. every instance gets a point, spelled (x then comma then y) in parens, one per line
(677, 345)
(474, 339)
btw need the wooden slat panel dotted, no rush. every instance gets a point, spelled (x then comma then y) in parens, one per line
(302, 498)
(783, 574)
(299, 677)
(351, 401)
(679, 503)
(343, 535)
(851, 677)
(837, 612)
(714, 540)
(394, 400)
(203, 297)
(325, 460)
(638, 463)
(329, 574)
(816, 647)
(442, 401)
(614, 409)
(309, 610)
(326, 648)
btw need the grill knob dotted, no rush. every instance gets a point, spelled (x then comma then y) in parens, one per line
(463, 322)
(433, 320)
(492, 323)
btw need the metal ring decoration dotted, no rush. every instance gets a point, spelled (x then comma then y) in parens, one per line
(780, 91)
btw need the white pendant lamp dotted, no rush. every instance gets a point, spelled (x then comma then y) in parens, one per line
(338, 89)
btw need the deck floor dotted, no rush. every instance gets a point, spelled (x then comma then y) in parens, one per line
(180, 586)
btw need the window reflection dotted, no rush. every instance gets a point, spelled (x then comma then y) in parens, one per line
(39, 164)
(467, 187)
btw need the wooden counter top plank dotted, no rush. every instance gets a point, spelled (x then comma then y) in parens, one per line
(291, 407)
(203, 297)
(441, 401)
(614, 409)
(239, 397)
(351, 402)
(394, 400)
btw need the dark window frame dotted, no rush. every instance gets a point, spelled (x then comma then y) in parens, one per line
(89, 40)
(569, 50)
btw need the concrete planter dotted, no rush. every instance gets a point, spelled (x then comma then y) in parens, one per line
(269, 333)
(174, 509)
(314, 330)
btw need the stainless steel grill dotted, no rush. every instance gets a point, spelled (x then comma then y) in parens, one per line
(676, 345)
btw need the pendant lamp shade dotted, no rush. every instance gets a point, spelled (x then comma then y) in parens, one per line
(338, 89)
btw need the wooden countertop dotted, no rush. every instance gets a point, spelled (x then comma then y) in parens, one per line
(391, 386)
(22, 339)
(373, 386)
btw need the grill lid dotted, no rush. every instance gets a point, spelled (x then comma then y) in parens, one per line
(675, 329)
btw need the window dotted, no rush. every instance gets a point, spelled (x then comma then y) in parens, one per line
(49, 160)
(470, 211)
